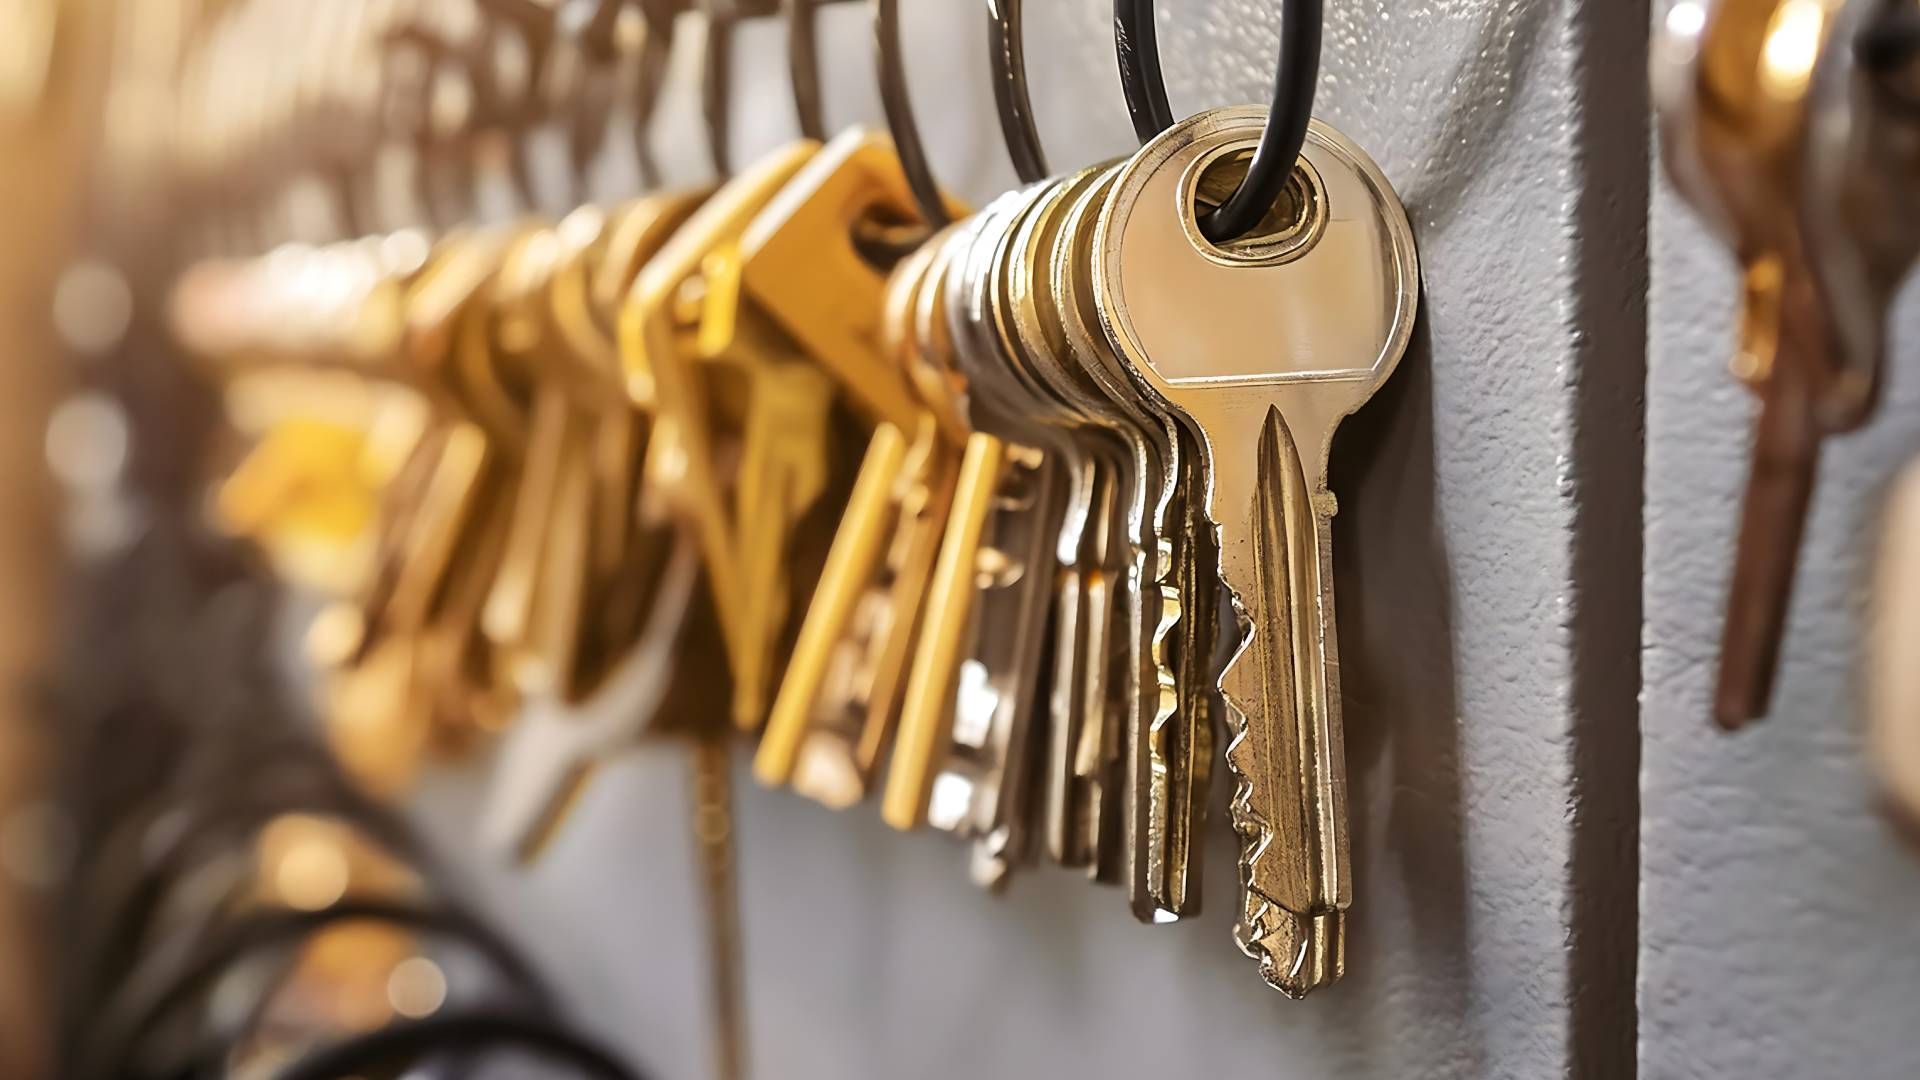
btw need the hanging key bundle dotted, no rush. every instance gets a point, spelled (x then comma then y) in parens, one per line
(1790, 126)
(1014, 521)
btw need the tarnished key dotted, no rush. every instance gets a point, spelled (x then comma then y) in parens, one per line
(1731, 122)
(1264, 346)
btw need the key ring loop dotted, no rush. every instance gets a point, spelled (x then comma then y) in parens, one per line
(716, 83)
(411, 1041)
(1010, 93)
(900, 120)
(803, 67)
(1294, 82)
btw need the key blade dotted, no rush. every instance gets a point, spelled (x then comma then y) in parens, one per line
(1773, 521)
(550, 752)
(1783, 345)
(1282, 697)
(924, 719)
(857, 549)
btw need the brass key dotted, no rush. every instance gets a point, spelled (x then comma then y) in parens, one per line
(841, 697)
(1264, 345)
(958, 762)
(1169, 729)
(659, 350)
(1082, 819)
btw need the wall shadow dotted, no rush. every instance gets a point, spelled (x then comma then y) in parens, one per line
(1395, 590)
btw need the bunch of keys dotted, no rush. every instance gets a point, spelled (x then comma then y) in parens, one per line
(1089, 535)
(1120, 418)
(1790, 125)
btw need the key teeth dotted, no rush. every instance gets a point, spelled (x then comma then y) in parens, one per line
(1167, 704)
(1256, 833)
(1298, 951)
(1297, 954)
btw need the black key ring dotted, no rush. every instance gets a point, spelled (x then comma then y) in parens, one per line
(1286, 131)
(1010, 93)
(895, 102)
(406, 1043)
(141, 1002)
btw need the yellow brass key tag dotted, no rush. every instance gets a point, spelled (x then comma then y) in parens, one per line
(800, 264)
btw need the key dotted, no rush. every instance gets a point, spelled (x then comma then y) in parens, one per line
(1169, 731)
(1082, 773)
(803, 266)
(628, 561)
(684, 476)
(1263, 347)
(535, 609)
(1007, 402)
(841, 696)
(978, 673)
(800, 723)
(780, 433)
(1732, 85)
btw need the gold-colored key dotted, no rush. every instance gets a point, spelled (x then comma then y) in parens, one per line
(1169, 725)
(802, 265)
(1264, 345)
(659, 346)
(868, 649)
(964, 760)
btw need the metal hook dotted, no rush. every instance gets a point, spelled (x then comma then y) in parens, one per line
(1286, 130)
(1010, 92)
(899, 109)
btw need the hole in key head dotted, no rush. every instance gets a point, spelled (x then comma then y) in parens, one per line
(1289, 228)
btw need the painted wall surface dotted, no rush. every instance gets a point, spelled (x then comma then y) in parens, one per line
(1778, 930)
(1487, 550)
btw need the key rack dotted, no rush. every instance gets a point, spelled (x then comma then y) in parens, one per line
(438, 277)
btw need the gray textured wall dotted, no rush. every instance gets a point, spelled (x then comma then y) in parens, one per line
(1488, 548)
(1778, 937)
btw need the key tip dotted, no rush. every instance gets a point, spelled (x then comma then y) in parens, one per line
(1734, 709)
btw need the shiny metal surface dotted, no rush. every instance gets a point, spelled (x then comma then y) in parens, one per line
(1264, 385)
